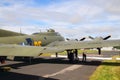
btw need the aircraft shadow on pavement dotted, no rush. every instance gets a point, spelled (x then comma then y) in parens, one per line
(50, 61)
(59, 61)
(26, 62)
(19, 76)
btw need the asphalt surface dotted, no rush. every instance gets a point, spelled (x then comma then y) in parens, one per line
(46, 68)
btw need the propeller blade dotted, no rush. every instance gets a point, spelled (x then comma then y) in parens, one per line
(76, 39)
(91, 37)
(67, 39)
(107, 37)
(82, 39)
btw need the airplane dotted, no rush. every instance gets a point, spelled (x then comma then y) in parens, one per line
(50, 42)
(98, 39)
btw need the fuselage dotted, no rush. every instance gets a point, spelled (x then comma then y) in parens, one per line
(44, 37)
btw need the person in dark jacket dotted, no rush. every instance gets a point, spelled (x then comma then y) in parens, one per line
(84, 57)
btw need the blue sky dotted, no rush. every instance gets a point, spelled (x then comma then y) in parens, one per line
(72, 18)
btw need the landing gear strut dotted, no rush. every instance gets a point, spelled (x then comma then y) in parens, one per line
(99, 51)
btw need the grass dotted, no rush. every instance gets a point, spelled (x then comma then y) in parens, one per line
(108, 70)
(46, 55)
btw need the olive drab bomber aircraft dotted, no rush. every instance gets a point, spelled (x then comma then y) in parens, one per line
(46, 42)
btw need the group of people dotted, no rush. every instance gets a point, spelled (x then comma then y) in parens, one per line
(73, 55)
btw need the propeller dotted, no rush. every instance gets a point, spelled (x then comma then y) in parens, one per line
(99, 38)
(82, 39)
(76, 39)
(107, 37)
(91, 37)
(67, 39)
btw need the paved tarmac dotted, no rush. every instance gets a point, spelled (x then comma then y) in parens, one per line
(46, 68)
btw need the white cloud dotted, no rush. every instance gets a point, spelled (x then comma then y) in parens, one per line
(26, 29)
(71, 17)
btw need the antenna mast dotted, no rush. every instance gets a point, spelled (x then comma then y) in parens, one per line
(20, 31)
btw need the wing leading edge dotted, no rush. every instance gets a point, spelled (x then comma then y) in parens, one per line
(31, 51)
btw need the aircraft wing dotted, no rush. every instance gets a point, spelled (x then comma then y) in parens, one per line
(84, 44)
(31, 51)
(58, 46)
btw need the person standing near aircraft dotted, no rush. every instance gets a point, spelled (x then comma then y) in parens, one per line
(70, 56)
(2, 60)
(83, 57)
